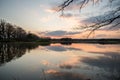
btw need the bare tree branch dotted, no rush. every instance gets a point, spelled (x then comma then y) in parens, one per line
(65, 4)
(108, 19)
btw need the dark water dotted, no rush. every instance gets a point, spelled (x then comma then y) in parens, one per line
(59, 62)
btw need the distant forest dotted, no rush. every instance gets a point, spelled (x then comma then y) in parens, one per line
(9, 32)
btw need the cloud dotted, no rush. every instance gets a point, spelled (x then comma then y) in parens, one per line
(56, 8)
(56, 48)
(55, 75)
(58, 33)
(60, 48)
(90, 20)
(73, 6)
(77, 34)
(104, 62)
(70, 63)
(99, 19)
(68, 15)
(51, 71)
(110, 10)
(50, 10)
(100, 35)
(45, 62)
(91, 48)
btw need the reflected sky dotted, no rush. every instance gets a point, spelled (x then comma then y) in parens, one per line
(60, 62)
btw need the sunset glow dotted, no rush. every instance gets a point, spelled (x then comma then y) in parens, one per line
(41, 16)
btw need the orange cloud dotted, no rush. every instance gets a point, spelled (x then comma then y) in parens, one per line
(70, 63)
(97, 34)
(45, 62)
(82, 35)
(51, 71)
(52, 10)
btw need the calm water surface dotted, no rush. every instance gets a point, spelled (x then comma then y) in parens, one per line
(59, 62)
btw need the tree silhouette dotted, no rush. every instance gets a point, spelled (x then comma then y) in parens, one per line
(9, 32)
(2, 30)
(112, 17)
(13, 51)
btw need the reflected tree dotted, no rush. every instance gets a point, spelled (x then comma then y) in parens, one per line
(10, 51)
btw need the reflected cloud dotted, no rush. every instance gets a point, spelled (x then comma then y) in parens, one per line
(68, 66)
(77, 61)
(56, 75)
(85, 47)
(103, 62)
(60, 48)
(109, 63)
(97, 47)
(56, 48)
(46, 63)
(70, 63)
(51, 71)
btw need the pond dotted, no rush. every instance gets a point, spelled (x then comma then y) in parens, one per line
(77, 61)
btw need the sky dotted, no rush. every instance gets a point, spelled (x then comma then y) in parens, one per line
(40, 16)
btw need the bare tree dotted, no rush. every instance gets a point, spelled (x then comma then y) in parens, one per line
(111, 18)
(2, 29)
(9, 32)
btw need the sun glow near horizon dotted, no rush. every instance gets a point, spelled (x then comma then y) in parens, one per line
(40, 16)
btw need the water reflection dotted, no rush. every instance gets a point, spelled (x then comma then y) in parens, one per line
(12, 51)
(103, 60)
(56, 75)
(110, 63)
(60, 48)
(60, 62)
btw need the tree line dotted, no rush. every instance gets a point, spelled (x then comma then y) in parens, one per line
(9, 32)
